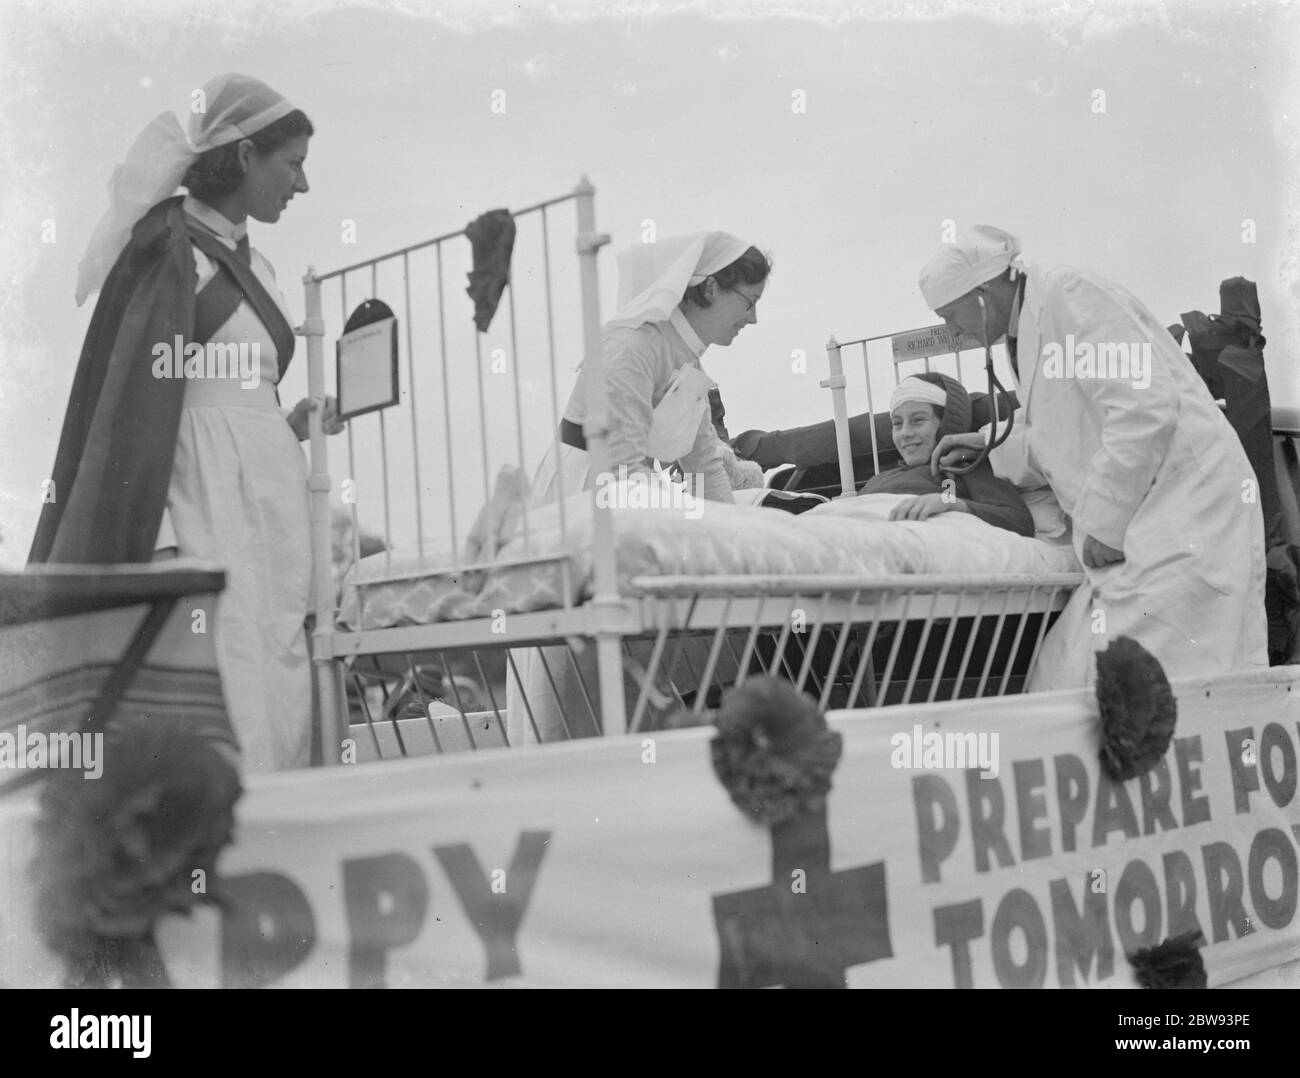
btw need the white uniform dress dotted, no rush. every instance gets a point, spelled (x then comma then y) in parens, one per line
(639, 367)
(238, 497)
(1154, 471)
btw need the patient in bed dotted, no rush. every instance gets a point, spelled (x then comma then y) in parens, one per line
(924, 408)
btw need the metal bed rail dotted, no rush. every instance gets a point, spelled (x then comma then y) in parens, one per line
(847, 641)
(470, 403)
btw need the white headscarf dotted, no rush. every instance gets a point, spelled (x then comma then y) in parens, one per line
(981, 254)
(918, 389)
(653, 277)
(228, 108)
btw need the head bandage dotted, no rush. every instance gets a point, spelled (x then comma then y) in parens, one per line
(981, 254)
(915, 389)
(653, 277)
(227, 109)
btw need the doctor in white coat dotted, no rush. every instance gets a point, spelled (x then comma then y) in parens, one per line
(1166, 517)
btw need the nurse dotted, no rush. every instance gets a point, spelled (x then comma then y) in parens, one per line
(1118, 423)
(676, 297)
(165, 454)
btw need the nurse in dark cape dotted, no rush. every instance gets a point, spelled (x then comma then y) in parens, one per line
(174, 442)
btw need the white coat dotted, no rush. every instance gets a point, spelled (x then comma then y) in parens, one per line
(1153, 470)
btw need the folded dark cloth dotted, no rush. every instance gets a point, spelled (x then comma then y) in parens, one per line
(493, 238)
(791, 501)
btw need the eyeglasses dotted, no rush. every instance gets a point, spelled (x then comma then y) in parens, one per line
(751, 300)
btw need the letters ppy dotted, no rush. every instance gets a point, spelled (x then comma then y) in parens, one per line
(271, 926)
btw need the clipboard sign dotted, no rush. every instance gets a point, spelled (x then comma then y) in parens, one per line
(366, 361)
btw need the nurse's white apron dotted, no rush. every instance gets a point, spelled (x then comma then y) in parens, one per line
(238, 497)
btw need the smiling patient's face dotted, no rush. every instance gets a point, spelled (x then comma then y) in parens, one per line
(916, 430)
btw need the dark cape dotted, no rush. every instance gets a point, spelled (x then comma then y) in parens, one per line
(114, 462)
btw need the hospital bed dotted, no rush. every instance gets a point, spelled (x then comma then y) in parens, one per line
(418, 648)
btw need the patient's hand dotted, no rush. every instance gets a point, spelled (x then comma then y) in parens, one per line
(956, 450)
(924, 506)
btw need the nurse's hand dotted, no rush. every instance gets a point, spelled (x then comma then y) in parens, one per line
(298, 418)
(955, 451)
(1096, 553)
(331, 421)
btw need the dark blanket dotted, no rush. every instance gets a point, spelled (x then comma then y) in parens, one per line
(993, 500)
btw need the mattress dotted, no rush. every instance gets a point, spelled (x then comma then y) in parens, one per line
(849, 536)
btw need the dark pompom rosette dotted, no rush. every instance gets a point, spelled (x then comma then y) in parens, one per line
(774, 752)
(1176, 963)
(119, 852)
(1138, 710)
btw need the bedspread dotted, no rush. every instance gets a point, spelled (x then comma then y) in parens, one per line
(850, 536)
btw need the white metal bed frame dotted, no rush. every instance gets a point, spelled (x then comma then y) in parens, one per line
(667, 612)
(598, 619)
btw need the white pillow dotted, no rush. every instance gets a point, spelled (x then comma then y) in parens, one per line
(1050, 521)
(1010, 461)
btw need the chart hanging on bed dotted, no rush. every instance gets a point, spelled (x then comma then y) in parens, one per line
(366, 360)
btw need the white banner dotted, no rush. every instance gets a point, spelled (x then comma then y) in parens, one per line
(622, 862)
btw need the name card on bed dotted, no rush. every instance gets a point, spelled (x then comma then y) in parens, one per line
(366, 371)
(923, 343)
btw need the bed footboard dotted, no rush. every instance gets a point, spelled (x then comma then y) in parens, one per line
(847, 642)
(477, 393)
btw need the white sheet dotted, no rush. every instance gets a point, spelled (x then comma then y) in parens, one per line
(847, 536)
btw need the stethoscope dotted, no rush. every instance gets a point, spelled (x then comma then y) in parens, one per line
(995, 388)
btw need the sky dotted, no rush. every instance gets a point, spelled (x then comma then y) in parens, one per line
(1149, 142)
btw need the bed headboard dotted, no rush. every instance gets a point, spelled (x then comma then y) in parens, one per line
(887, 359)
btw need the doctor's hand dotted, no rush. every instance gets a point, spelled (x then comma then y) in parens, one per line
(330, 421)
(956, 450)
(1096, 553)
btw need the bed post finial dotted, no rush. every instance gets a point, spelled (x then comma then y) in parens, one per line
(835, 383)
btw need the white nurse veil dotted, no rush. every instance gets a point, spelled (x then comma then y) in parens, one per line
(653, 277)
(226, 109)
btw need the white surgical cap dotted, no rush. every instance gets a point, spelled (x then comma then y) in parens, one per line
(653, 277)
(918, 389)
(226, 109)
(981, 254)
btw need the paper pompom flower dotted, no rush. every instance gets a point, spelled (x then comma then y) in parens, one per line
(1176, 963)
(774, 752)
(1138, 710)
(119, 851)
